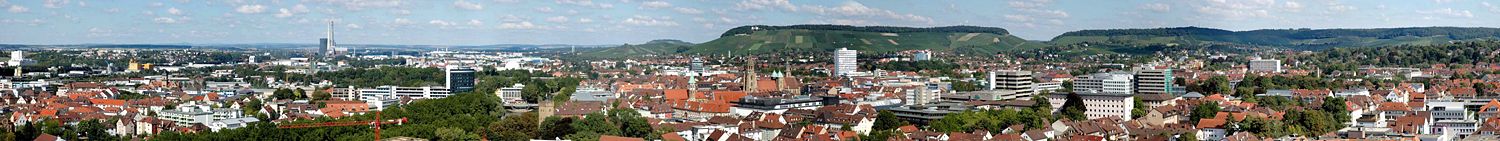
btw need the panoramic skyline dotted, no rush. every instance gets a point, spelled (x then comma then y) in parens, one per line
(484, 22)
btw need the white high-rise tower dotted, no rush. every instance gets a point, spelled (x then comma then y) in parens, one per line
(844, 61)
(330, 48)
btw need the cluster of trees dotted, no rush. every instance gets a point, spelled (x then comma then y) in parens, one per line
(92, 129)
(1406, 55)
(886, 125)
(459, 117)
(883, 29)
(1173, 31)
(615, 122)
(1036, 117)
(558, 89)
(1311, 121)
(911, 65)
(398, 76)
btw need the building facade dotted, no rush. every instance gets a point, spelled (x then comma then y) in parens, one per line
(1265, 65)
(1154, 81)
(845, 61)
(1099, 105)
(1111, 82)
(1010, 84)
(460, 79)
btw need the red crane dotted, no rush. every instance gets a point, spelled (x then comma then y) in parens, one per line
(377, 122)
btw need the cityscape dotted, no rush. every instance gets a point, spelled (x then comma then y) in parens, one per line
(750, 70)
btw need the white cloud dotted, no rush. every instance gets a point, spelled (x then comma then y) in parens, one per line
(1492, 8)
(473, 22)
(174, 11)
(1448, 12)
(765, 4)
(1293, 5)
(518, 25)
(686, 10)
(18, 9)
(649, 21)
(251, 9)
(164, 20)
(353, 26)
(364, 4)
(1017, 18)
(558, 19)
(440, 23)
(300, 9)
(1158, 7)
(283, 13)
(55, 3)
(543, 9)
(402, 21)
(856, 9)
(461, 4)
(585, 20)
(585, 3)
(656, 4)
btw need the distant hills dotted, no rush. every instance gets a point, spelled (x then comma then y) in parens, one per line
(1300, 39)
(974, 40)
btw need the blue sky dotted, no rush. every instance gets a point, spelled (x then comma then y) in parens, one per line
(480, 22)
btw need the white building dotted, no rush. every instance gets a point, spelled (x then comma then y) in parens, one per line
(230, 123)
(1112, 82)
(1099, 105)
(380, 97)
(1450, 116)
(191, 113)
(512, 94)
(1265, 65)
(921, 55)
(1154, 81)
(844, 61)
(18, 58)
(1011, 84)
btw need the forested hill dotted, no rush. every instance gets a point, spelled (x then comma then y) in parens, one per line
(757, 39)
(882, 29)
(1308, 39)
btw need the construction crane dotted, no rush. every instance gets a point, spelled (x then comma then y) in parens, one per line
(377, 122)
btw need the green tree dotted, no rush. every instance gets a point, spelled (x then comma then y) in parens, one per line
(1205, 110)
(450, 133)
(513, 128)
(556, 127)
(885, 120)
(1073, 108)
(1190, 136)
(1140, 108)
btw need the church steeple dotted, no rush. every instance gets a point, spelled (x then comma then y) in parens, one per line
(750, 77)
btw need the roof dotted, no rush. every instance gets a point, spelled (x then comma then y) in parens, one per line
(618, 138)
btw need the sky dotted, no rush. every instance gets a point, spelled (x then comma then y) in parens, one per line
(600, 22)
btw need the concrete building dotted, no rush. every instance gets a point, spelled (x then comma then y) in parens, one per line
(921, 114)
(921, 55)
(749, 104)
(1111, 82)
(1450, 117)
(18, 58)
(1010, 84)
(380, 97)
(1099, 105)
(1265, 65)
(511, 95)
(1154, 81)
(845, 61)
(459, 78)
(191, 113)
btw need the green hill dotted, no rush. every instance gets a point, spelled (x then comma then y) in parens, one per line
(1303, 39)
(654, 47)
(758, 39)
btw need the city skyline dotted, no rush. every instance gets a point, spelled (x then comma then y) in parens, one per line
(485, 22)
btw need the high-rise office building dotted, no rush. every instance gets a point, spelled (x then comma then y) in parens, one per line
(844, 61)
(459, 78)
(921, 55)
(697, 65)
(1153, 81)
(1111, 82)
(1010, 84)
(1265, 65)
